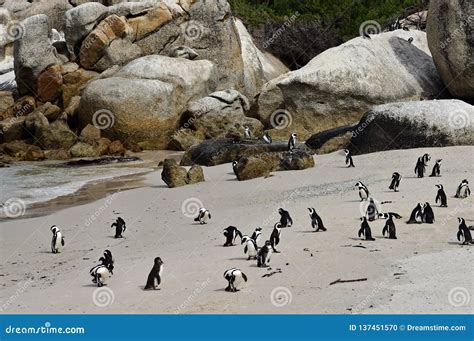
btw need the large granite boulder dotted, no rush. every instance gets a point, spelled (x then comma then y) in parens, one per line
(343, 82)
(262, 165)
(54, 9)
(413, 125)
(56, 135)
(142, 102)
(450, 30)
(218, 115)
(33, 54)
(218, 151)
(176, 176)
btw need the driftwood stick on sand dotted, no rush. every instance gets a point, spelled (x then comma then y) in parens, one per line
(347, 280)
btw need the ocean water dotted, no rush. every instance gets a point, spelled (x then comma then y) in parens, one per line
(26, 183)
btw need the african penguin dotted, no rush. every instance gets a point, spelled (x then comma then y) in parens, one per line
(387, 214)
(257, 234)
(405, 28)
(463, 190)
(349, 160)
(250, 248)
(421, 165)
(464, 235)
(231, 233)
(267, 138)
(57, 242)
(372, 211)
(203, 216)
(292, 142)
(119, 227)
(154, 277)
(285, 218)
(264, 254)
(416, 215)
(365, 36)
(101, 273)
(248, 133)
(316, 221)
(436, 168)
(363, 191)
(275, 236)
(389, 228)
(410, 40)
(396, 178)
(234, 278)
(365, 230)
(441, 196)
(428, 214)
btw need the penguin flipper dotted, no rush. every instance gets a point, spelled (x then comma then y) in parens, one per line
(196, 219)
(62, 241)
(361, 232)
(244, 276)
(459, 235)
(385, 229)
(245, 249)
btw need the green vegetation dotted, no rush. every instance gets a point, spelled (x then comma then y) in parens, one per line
(344, 16)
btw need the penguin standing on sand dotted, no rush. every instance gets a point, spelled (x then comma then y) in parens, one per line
(389, 228)
(396, 178)
(234, 277)
(416, 215)
(428, 214)
(250, 248)
(120, 227)
(388, 214)
(257, 234)
(365, 230)
(464, 235)
(285, 218)
(267, 138)
(203, 216)
(248, 133)
(363, 191)
(231, 233)
(441, 196)
(463, 190)
(154, 277)
(264, 254)
(349, 160)
(292, 142)
(421, 165)
(101, 273)
(437, 168)
(275, 236)
(57, 242)
(234, 167)
(372, 212)
(316, 221)
(410, 40)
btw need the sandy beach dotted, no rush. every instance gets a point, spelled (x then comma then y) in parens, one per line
(424, 271)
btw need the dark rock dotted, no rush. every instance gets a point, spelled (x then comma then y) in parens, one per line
(102, 161)
(176, 176)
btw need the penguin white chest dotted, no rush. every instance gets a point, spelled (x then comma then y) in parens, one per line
(363, 193)
(463, 193)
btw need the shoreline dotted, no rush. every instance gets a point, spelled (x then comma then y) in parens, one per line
(414, 273)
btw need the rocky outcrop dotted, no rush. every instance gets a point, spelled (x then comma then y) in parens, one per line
(450, 30)
(218, 151)
(34, 54)
(220, 114)
(413, 125)
(149, 121)
(263, 164)
(176, 176)
(56, 135)
(342, 83)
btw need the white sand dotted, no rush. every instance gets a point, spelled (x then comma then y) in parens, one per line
(429, 258)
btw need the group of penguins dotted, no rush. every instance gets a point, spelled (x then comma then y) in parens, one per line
(422, 213)
(268, 139)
